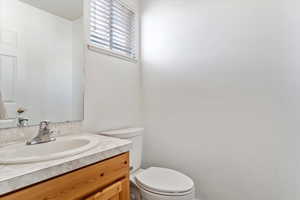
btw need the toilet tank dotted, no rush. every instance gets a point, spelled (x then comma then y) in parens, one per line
(135, 136)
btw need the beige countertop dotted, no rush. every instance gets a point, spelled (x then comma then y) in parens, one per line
(14, 177)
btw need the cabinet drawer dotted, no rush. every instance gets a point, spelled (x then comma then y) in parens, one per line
(112, 192)
(78, 184)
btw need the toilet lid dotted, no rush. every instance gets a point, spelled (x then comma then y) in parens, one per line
(164, 180)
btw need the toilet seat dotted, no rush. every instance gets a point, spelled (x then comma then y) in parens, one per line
(165, 182)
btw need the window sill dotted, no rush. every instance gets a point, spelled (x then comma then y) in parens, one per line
(111, 53)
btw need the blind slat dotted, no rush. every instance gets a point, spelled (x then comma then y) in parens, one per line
(99, 23)
(102, 18)
(123, 9)
(102, 2)
(120, 36)
(124, 43)
(126, 33)
(112, 27)
(98, 42)
(98, 28)
(97, 37)
(101, 10)
(121, 29)
(119, 12)
(104, 37)
(124, 22)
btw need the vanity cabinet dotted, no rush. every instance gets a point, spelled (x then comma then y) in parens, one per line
(113, 192)
(106, 180)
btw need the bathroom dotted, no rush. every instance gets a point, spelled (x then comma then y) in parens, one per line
(149, 99)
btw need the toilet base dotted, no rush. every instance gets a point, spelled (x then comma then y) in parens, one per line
(140, 194)
(146, 195)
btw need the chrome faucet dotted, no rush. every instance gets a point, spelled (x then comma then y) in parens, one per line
(22, 122)
(44, 134)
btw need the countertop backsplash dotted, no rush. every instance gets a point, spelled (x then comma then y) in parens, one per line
(12, 135)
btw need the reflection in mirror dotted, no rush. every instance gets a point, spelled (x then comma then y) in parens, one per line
(2, 108)
(41, 61)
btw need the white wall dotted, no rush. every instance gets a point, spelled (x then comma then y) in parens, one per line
(221, 95)
(78, 69)
(112, 90)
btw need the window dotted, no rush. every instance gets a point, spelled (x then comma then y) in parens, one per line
(112, 28)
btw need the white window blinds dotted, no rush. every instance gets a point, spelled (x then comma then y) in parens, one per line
(112, 27)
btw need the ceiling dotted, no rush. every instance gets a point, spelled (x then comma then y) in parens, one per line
(69, 9)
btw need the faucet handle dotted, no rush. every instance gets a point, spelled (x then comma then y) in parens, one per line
(44, 124)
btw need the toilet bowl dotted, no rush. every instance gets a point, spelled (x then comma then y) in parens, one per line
(163, 184)
(154, 183)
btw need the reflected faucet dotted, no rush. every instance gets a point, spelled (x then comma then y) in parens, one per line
(44, 134)
(22, 122)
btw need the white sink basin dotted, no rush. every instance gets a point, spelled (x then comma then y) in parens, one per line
(62, 147)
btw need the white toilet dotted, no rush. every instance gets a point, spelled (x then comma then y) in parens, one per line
(153, 183)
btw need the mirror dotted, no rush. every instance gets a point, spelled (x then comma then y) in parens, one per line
(41, 61)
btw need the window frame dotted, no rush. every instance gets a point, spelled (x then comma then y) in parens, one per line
(110, 52)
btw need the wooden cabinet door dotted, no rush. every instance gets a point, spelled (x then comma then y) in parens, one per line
(81, 183)
(116, 191)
